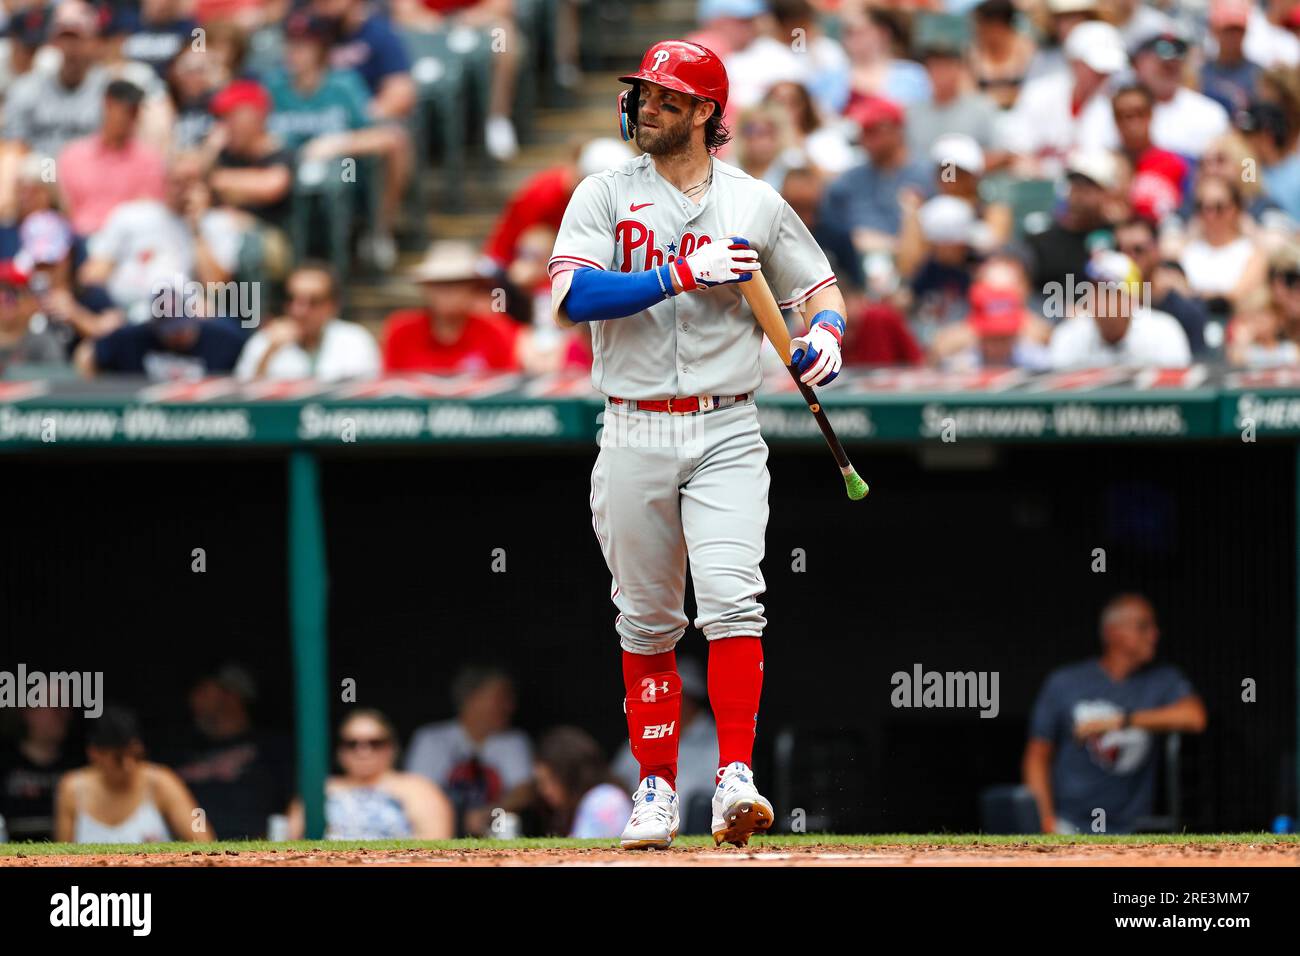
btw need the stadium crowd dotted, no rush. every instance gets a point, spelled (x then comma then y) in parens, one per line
(1038, 184)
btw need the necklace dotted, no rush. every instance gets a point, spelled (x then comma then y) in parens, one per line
(700, 186)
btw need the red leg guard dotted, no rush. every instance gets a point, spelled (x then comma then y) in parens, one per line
(654, 707)
(735, 686)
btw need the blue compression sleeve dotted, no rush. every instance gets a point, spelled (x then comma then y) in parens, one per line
(596, 295)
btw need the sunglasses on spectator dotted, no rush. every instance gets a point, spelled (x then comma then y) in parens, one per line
(988, 83)
(309, 299)
(1134, 249)
(1290, 278)
(1220, 206)
(367, 743)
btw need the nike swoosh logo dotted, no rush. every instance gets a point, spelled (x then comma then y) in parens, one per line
(635, 206)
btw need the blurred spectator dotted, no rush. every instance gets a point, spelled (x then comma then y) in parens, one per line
(1183, 121)
(149, 802)
(1058, 18)
(878, 335)
(872, 38)
(1156, 178)
(193, 79)
(697, 756)
(999, 331)
(24, 340)
(1268, 40)
(824, 67)
(30, 768)
(863, 204)
(1228, 77)
(46, 253)
(1222, 261)
(754, 58)
(310, 341)
(158, 32)
(936, 253)
(1091, 733)
(959, 165)
(1228, 157)
(1082, 224)
(251, 170)
(1137, 19)
(495, 20)
(99, 172)
(322, 114)
(1136, 238)
(952, 106)
(765, 147)
(452, 332)
(364, 41)
(476, 757)
(1113, 325)
(727, 25)
(371, 800)
(147, 243)
(1265, 332)
(20, 37)
(238, 774)
(178, 343)
(1000, 54)
(245, 15)
(824, 145)
(574, 782)
(543, 198)
(1273, 145)
(1067, 109)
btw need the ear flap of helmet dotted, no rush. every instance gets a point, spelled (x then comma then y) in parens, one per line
(627, 114)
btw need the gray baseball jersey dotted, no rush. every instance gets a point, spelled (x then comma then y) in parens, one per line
(700, 343)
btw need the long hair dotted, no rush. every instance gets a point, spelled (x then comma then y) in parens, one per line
(716, 133)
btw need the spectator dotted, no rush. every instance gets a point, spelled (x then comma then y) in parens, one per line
(936, 253)
(150, 803)
(1137, 239)
(45, 253)
(193, 79)
(24, 340)
(178, 344)
(1062, 249)
(1228, 157)
(577, 788)
(311, 341)
(30, 768)
(543, 198)
(476, 757)
(1265, 332)
(371, 800)
(101, 171)
(1228, 77)
(878, 335)
(1183, 121)
(1272, 142)
(824, 145)
(997, 312)
(452, 332)
(959, 169)
(251, 170)
(1067, 110)
(1223, 262)
(1268, 41)
(1112, 325)
(1059, 18)
(494, 19)
(322, 114)
(146, 243)
(754, 59)
(871, 38)
(952, 106)
(863, 204)
(158, 32)
(238, 774)
(697, 756)
(765, 146)
(1156, 178)
(1091, 733)
(824, 67)
(1000, 54)
(1137, 19)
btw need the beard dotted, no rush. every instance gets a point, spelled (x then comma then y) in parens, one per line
(665, 141)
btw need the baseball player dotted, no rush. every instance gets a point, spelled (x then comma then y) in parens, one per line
(651, 253)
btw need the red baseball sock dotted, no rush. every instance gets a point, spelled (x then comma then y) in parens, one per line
(735, 685)
(654, 707)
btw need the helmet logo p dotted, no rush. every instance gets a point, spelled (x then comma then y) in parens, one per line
(661, 57)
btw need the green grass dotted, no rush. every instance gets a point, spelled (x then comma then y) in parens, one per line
(558, 843)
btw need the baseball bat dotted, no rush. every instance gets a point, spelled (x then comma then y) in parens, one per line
(769, 317)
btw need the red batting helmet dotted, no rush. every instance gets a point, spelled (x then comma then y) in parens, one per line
(676, 65)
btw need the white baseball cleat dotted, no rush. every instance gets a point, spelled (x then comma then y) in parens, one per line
(655, 820)
(739, 810)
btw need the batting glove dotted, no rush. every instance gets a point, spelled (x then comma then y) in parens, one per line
(816, 353)
(717, 263)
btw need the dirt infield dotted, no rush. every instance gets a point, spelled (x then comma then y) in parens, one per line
(1217, 854)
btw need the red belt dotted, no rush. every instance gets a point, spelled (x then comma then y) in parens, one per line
(682, 406)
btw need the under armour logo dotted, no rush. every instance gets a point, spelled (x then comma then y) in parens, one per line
(661, 57)
(649, 689)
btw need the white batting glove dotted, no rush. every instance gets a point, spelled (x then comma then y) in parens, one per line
(717, 263)
(816, 353)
